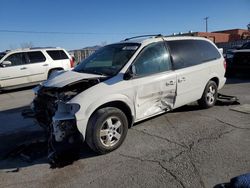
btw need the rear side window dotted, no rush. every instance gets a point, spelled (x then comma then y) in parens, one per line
(57, 54)
(186, 53)
(36, 57)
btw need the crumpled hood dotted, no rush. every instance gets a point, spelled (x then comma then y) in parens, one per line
(68, 77)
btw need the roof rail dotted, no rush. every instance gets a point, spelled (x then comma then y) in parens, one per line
(37, 48)
(157, 35)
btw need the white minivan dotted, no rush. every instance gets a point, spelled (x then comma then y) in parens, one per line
(127, 82)
(23, 67)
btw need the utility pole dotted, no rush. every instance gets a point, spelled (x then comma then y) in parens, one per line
(206, 18)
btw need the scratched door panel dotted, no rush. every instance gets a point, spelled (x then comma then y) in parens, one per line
(155, 94)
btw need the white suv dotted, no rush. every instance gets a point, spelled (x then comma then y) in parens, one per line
(30, 66)
(127, 82)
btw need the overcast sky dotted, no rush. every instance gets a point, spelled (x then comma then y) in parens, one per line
(75, 24)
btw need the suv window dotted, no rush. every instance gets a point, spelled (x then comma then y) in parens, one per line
(16, 59)
(57, 54)
(154, 58)
(186, 53)
(36, 57)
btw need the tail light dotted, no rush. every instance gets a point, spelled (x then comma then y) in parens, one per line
(225, 64)
(72, 62)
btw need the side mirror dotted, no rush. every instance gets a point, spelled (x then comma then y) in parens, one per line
(5, 63)
(131, 72)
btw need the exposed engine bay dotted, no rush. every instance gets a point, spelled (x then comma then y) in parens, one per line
(63, 135)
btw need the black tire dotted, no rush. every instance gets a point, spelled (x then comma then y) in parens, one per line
(106, 121)
(209, 96)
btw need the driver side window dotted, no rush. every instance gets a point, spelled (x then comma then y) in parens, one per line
(153, 59)
(16, 59)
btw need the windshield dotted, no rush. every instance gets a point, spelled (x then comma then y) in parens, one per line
(2, 54)
(246, 46)
(108, 60)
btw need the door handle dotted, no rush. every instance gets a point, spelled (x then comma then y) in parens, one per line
(45, 65)
(23, 68)
(171, 82)
(183, 79)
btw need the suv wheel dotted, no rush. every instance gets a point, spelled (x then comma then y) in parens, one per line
(209, 95)
(106, 130)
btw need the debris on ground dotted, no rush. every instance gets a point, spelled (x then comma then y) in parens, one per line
(227, 100)
(245, 108)
(63, 153)
(60, 153)
(29, 152)
(38, 149)
(28, 113)
(11, 170)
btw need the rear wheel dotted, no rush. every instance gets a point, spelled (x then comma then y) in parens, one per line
(209, 95)
(106, 130)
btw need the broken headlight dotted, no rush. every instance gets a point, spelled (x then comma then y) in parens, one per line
(67, 108)
(67, 95)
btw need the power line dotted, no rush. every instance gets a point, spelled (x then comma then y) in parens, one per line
(67, 33)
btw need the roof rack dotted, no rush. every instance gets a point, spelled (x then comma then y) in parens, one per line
(157, 35)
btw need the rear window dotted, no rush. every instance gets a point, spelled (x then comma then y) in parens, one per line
(186, 53)
(57, 54)
(36, 57)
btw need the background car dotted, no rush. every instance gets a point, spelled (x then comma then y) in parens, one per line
(238, 60)
(23, 67)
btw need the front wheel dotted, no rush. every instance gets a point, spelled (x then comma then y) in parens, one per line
(106, 130)
(209, 96)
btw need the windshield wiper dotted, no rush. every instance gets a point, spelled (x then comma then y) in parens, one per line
(99, 73)
(92, 72)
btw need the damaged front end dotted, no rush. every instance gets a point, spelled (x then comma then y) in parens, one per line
(56, 115)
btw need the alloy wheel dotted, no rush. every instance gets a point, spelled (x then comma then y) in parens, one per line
(111, 131)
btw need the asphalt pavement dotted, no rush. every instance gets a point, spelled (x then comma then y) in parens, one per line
(188, 147)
